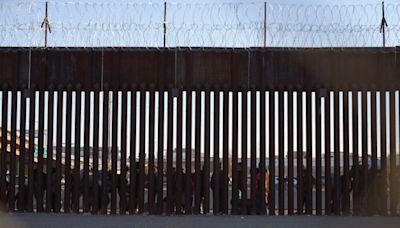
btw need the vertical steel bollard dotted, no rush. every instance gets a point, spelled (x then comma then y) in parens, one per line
(13, 147)
(104, 152)
(133, 180)
(253, 151)
(142, 140)
(114, 150)
(151, 174)
(67, 173)
(281, 151)
(50, 187)
(23, 155)
(243, 175)
(77, 152)
(188, 151)
(355, 167)
(86, 152)
(95, 153)
(215, 179)
(272, 125)
(235, 171)
(318, 157)
(345, 201)
(290, 175)
(299, 152)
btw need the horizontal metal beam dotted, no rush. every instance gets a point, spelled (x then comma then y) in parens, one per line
(189, 68)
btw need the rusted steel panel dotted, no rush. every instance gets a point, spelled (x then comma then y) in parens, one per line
(134, 66)
(392, 157)
(355, 167)
(308, 181)
(225, 159)
(50, 187)
(76, 191)
(69, 66)
(39, 191)
(170, 185)
(281, 152)
(151, 173)
(346, 157)
(95, 152)
(160, 153)
(197, 176)
(59, 151)
(22, 157)
(104, 152)
(243, 164)
(328, 179)
(262, 186)
(235, 140)
(86, 162)
(318, 165)
(3, 157)
(188, 151)
(382, 187)
(133, 180)
(272, 125)
(211, 67)
(142, 140)
(253, 153)
(9, 67)
(305, 67)
(299, 152)
(13, 155)
(207, 147)
(121, 179)
(67, 173)
(364, 137)
(215, 178)
(182, 69)
(336, 154)
(111, 68)
(178, 175)
(290, 167)
(374, 152)
(114, 151)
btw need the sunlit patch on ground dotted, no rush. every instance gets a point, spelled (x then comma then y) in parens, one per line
(9, 220)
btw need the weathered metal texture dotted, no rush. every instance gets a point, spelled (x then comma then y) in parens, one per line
(213, 75)
(233, 67)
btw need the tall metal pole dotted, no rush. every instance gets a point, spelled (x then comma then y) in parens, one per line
(265, 24)
(383, 24)
(47, 22)
(165, 23)
(46, 25)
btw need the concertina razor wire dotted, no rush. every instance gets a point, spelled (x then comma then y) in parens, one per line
(237, 25)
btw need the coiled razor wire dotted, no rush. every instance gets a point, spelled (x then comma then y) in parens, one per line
(127, 24)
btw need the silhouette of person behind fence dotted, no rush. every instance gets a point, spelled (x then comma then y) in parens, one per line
(4, 196)
(220, 193)
(305, 186)
(259, 186)
(239, 188)
(202, 190)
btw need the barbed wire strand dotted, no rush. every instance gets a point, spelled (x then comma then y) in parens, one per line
(225, 25)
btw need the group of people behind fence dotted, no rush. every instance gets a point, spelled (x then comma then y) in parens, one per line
(371, 192)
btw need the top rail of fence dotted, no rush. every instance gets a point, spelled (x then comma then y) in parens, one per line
(130, 24)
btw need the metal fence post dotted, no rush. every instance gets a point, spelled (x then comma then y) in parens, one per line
(165, 24)
(265, 24)
(46, 25)
(383, 25)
